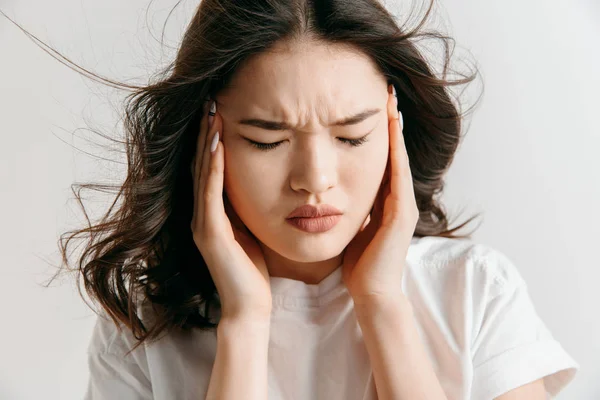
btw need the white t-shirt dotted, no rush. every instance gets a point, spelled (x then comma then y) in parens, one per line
(473, 313)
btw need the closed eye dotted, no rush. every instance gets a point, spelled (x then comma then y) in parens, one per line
(271, 146)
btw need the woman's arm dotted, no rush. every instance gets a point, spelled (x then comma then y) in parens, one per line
(398, 357)
(240, 368)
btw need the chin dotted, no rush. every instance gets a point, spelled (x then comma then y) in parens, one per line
(309, 248)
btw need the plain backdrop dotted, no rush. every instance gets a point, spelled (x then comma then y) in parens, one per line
(529, 162)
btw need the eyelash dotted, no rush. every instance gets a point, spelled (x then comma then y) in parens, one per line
(271, 146)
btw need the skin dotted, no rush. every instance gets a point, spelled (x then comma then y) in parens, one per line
(308, 85)
(309, 163)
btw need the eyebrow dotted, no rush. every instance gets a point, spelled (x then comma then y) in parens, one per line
(282, 126)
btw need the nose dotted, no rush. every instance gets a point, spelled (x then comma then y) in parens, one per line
(314, 164)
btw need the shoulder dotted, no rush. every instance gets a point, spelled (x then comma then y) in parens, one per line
(472, 298)
(116, 369)
(448, 266)
(110, 337)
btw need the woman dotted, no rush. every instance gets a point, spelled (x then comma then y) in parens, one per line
(282, 239)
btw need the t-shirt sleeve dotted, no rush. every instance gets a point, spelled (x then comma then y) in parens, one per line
(112, 373)
(512, 346)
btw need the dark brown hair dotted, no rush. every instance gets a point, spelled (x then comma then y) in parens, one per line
(144, 246)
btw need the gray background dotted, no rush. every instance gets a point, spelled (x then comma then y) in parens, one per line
(529, 162)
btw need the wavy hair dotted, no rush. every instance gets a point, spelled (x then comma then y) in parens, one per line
(143, 245)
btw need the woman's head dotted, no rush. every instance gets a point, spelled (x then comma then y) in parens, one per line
(314, 88)
(302, 62)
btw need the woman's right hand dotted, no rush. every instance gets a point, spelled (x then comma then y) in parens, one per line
(234, 258)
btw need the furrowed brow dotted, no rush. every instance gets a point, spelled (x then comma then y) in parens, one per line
(282, 126)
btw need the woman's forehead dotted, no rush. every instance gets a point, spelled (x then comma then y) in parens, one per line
(311, 76)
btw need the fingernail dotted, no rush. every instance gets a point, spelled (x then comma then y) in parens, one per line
(401, 120)
(213, 145)
(211, 113)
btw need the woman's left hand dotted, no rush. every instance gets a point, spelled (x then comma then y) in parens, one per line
(374, 260)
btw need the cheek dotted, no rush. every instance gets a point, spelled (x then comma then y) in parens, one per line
(379, 157)
(364, 178)
(368, 170)
(249, 185)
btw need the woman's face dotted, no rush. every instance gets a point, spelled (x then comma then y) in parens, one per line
(307, 87)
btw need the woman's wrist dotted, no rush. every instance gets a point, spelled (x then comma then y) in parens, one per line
(245, 322)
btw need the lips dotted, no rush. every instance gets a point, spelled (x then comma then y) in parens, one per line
(315, 224)
(314, 211)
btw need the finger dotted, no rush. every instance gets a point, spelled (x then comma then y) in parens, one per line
(404, 160)
(195, 166)
(401, 183)
(201, 138)
(211, 177)
(197, 212)
(197, 159)
(396, 156)
(205, 150)
(399, 134)
(377, 209)
(207, 132)
(214, 209)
